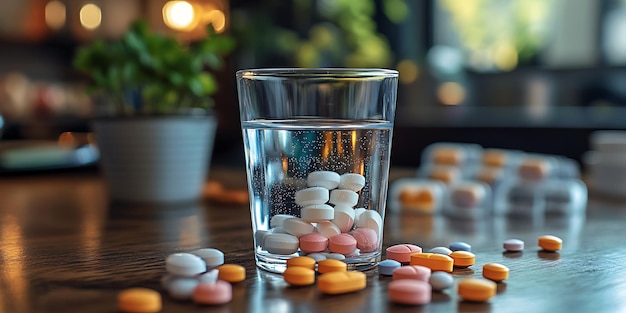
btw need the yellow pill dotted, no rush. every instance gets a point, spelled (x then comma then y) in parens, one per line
(496, 272)
(475, 289)
(436, 262)
(341, 282)
(331, 265)
(232, 273)
(550, 243)
(302, 261)
(139, 300)
(463, 258)
(299, 276)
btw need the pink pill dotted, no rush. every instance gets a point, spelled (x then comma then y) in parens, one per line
(313, 242)
(402, 252)
(409, 291)
(417, 272)
(342, 243)
(219, 292)
(366, 239)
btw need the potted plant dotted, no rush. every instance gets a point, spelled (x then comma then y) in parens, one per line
(156, 134)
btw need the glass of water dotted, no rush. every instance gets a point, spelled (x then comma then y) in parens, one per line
(317, 145)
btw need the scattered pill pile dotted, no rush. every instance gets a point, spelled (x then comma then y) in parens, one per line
(329, 225)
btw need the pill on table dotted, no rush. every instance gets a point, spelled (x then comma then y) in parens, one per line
(232, 273)
(550, 243)
(210, 276)
(463, 259)
(328, 229)
(139, 300)
(184, 264)
(278, 219)
(299, 276)
(351, 181)
(312, 195)
(370, 219)
(212, 257)
(440, 250)
(386, 267)
(259, 237)
(181, 288)
(317, 256)
(327, 179)
(344, 197)
(341, 282)
(475, 289)
(513, 245)
(342, 243)
(213, 293)
(436, 262)
(281, 243)
(335, 256)
(402, 252)
(297, 227)
(467, 195)
(330, 265)
(409, 291)
(302, 261)
(317, 213)
(412, 272)
(366, 239)
(313, 242)
(440, 280)
(496, 272)
(343, 217)
(460, 246)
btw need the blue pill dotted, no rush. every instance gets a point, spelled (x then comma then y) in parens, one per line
(460, 246)
(386, 267)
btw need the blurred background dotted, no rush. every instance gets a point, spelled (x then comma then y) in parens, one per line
(535, 75)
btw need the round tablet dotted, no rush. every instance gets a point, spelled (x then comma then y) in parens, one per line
(317, 256)
(344, 197)
(335, 256)
(343, 217)
(315, 213)
(232, 273)
(412, 272)
(409, 291)
(313, 242)
(278, 219)
(142, 300)
(358, 212)
(463, 259)
(328, 229)
(299, 276)
(342, 243)
(219, 292)
(366, 239)
(312, 195)
(327, 179)
(460, 246)
(329, 265)
(496, 272)
(440, 250)
(513, 245)
(475, 289)
(184, 264)
(550, 243)
(297, 227)
(259, 237)
(440, 280)
(402, 252)
(386, 267)
(302, 261)
(352, 181)
(370, 219)
(281, 243)
(212, 257)
(181, 288)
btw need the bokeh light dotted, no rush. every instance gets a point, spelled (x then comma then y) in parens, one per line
(55, 14)
(451, 93)
(218, 19)
(409, 71)
(90, 16)
(179, 15)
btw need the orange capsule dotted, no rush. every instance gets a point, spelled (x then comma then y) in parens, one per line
(302, 261)
(330, 265)
(232, 273)
(436, 262)
(139, 300)
(299, 276)
(475, 289)
(550, 243)
(463, 258)
(496, 272)
(341, 282)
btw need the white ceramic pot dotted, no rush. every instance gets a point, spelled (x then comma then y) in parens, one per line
(155, 159)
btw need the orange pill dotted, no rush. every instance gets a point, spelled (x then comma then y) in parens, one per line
(475, 289)
(448, 156)
(139, 300)
(463, 258)
(436, 262)
(341, 282)
(445, 174)
(299, 276)
(496, 272)
(302, 261)
(232, 273)
(494, 158)
(416, 198)
(550, 243)
(330, 265)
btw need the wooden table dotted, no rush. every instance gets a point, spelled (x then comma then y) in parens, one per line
(64, 248)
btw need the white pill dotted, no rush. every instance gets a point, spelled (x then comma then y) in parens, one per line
(440, 250)
(184, 264)
(358, 212)
(281, 243)
(344, 218)
(259, 237)
(278, 230)
(328, 229)
(278, 219)
(326, 179)
(181, 288)
(212, 257)
(354, 254)
(317, 256)
(335, 256)
(316, 213)
(351, 181)
(370, 219)
(210, 276)
(313, 195)
(297, 227)
(440, 280)
(344, 197)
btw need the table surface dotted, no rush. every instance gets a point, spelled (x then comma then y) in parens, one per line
(64, 248)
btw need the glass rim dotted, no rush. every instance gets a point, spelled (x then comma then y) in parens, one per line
(322, 72)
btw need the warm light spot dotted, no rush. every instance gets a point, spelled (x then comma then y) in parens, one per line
(505, 56)
(179, 15)
(218, 19)
(451, 93)
(55, 14)
(67, 140)
(90, 16)
(408, 71)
